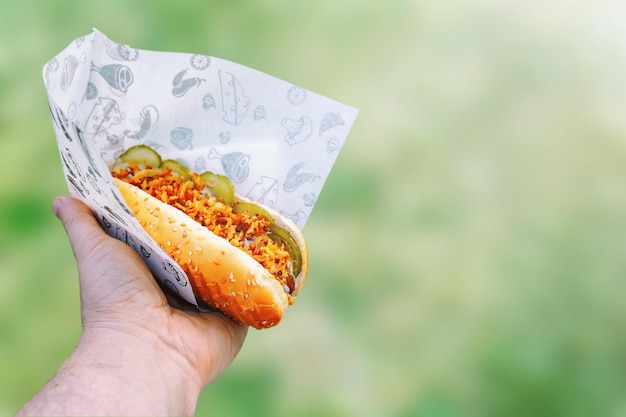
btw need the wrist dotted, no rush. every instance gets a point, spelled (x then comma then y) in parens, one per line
(117, 373)
(150, 377)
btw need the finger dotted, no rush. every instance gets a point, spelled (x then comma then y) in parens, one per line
(82, 229)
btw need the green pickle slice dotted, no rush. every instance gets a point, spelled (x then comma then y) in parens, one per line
(253, 209)
(177, 168)
(142, 155)
(221, 186)
(279, 234)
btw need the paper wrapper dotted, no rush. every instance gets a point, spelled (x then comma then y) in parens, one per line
(276, 141)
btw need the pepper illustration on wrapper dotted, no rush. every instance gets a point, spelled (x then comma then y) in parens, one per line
(182, 84)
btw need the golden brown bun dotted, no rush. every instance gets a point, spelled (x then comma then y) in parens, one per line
(223, 276)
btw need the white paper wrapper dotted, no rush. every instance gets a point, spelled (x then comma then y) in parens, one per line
(276, 141)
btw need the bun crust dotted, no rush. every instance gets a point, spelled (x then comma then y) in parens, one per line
(223, 276)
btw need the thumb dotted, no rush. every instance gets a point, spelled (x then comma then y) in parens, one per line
(79, 223)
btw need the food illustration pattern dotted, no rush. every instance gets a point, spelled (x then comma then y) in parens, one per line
(200, 62)
(309, 199)
(50, 68)
(91, 92)
(169, 267)
(260, 113)
(275, 140)
(296, 95)
(265, 191)
(297, 130)
(333, 145)
(181, 137)
(120, 52)
(146, 122)
(181, 83)
(298, 217)
(87, 178)
(208, 102)
(235, 104)
(118, 76)
(329, 121)
(235, 164)
(70, 65)
(104, 114)
(296, 177)
(224, 137)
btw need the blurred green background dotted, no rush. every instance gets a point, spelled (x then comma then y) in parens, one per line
(468, 253)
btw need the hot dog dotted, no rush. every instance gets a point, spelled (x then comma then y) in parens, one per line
(242, 258)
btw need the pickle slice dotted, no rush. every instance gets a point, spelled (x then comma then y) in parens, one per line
(279, 234)
(221, 186)
(177, 168)
(142, 155)
(253, 209)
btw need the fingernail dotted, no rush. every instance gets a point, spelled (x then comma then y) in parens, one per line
(57, 204)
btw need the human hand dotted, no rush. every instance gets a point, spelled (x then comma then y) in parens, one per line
(137, 354)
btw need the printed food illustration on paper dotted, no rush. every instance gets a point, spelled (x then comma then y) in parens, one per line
(276, 141)
(235, 164)
(235, 104)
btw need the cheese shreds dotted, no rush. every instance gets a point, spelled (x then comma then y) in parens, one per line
(246, 231)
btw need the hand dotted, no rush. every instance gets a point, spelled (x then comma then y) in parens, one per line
(137, 354)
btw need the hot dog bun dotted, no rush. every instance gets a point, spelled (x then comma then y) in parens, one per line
(223, 276)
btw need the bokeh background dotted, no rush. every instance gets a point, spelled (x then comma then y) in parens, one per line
(468, 252)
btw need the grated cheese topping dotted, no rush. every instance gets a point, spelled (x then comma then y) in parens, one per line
(246, 231)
